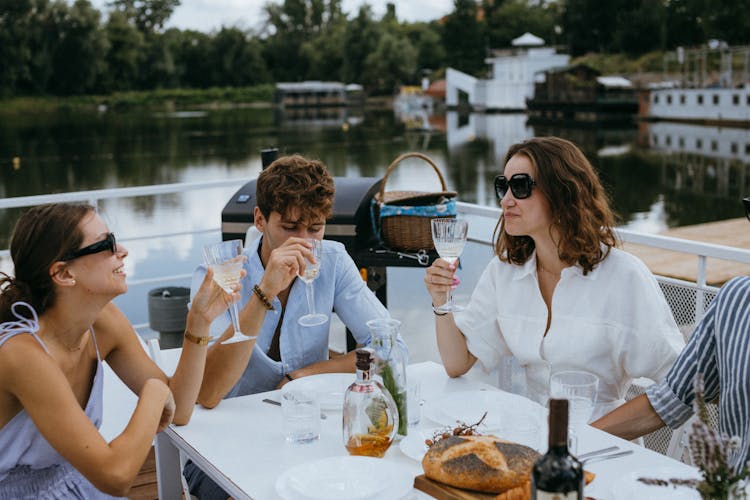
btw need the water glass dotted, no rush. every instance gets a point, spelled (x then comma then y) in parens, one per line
(413, 402)
(301, 416)
(580, 389)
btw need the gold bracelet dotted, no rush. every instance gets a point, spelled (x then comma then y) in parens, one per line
(263, 298)
(197, 340)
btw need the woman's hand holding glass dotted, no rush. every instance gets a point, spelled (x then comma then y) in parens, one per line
(449, 236)
(210, 301)
(225, 259)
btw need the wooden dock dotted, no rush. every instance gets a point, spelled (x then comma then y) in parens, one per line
(732, 232)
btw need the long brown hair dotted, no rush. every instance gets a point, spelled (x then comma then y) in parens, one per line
(43, 234)
(580, 207)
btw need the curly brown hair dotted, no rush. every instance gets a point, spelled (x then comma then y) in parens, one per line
(294, 181)
(581, 214)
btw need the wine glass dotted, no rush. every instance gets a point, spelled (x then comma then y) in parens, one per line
(226, 260)
(580, 389)
(449, 236)
(308, 276)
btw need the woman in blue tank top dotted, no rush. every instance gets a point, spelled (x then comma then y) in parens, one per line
(58, 325)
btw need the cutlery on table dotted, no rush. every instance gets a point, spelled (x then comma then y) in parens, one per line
(278, 403)
(590, 454)
(599, 458)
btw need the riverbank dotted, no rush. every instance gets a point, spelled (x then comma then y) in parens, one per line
(162, 99)
(259, 96)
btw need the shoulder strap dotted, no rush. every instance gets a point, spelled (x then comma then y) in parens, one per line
(23, 324)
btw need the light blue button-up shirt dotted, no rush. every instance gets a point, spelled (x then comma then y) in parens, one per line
(338, 287)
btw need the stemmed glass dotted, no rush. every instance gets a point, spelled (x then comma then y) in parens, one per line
(308, 276)
(580, 389)
(226, 260)
(449, 236)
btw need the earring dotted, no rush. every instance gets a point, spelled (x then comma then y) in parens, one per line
(73, 282)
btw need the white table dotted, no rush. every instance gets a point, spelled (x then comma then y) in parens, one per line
(240, 443)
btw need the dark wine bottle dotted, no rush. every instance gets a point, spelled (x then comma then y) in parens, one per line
(557, 475)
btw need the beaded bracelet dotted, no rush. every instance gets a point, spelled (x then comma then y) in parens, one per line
(263, 299)
(197, 340)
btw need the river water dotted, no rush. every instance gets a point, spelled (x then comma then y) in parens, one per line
(658, 175)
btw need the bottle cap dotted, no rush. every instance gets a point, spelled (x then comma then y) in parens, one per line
(364, 358)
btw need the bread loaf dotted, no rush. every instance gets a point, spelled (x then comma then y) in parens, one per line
(481, 463)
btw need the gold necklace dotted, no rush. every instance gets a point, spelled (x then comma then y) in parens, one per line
(71, 349)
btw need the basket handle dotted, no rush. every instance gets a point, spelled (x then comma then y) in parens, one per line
(404, 156)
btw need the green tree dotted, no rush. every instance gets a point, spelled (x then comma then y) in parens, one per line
(124, 55)
(193, 57)
(463, 38)
(640, 28)
(237, 60)
(290, 25)
(360, 39)
(426, 39)
(15, 50)
(512, 18)
(684, 27)
(78, 57)
(394, 62)
(148, 15)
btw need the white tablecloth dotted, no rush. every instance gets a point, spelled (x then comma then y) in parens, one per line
(240, 443)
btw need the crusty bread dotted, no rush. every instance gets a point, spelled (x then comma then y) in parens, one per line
(481, 463)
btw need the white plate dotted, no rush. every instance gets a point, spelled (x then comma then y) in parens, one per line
(345, 478)
(628, 486)
(329, 386)
(413, 444)
(468, 407)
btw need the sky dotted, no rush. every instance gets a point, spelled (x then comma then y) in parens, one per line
(210, 15)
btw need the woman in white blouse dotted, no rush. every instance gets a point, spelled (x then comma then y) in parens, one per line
(558, 295)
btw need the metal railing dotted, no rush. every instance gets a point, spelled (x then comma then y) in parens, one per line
(481, 232)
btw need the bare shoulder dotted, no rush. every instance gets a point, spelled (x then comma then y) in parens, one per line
(112, 329)
(22, 357)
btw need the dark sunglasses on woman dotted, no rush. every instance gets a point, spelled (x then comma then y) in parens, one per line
(108, 243)
(519, 184)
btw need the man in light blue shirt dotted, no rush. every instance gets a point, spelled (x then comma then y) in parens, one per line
(294, 198)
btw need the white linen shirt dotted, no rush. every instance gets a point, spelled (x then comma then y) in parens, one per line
(613, 322)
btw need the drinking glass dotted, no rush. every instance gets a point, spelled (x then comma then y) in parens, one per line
(226, 260)
(449, 236)
(300, 412)
(308, 276)
(580, 389)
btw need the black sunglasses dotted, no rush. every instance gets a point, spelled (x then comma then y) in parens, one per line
(108, 243)
(520, 185)
(746, 202)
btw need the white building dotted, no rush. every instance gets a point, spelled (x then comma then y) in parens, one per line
(703, 104)
(513, 75)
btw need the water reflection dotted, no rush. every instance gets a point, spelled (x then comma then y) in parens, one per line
(659, 175)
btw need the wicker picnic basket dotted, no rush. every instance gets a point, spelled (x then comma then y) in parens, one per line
(404, 216)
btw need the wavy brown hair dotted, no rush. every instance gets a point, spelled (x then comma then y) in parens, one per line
(296, 182)
(580, 208)
(43, 234)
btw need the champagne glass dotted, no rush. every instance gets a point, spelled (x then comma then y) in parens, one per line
(449, 236)
(308, 276)
(580, 389)
(226, 260)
